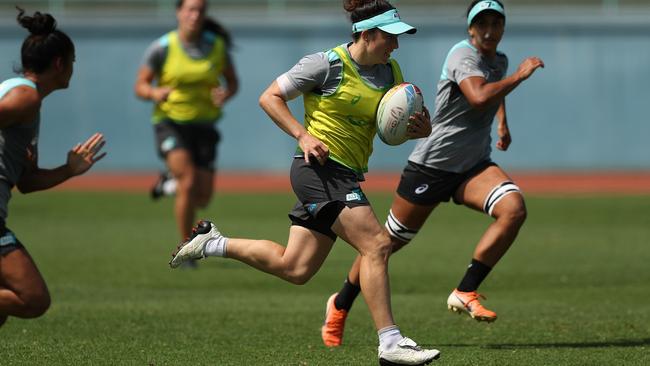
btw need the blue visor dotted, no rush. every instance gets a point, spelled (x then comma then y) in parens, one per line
(389, 22)
(483, 6)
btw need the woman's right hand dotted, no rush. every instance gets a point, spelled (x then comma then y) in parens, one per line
(84, 155)
(312, 146)
(160, 94)
(528, 66)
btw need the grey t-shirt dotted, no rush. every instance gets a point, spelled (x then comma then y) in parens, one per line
(14, 141)
(461, 134)
(321, 73)
(155, 55)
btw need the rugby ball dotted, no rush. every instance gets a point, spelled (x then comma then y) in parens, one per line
(394, 110)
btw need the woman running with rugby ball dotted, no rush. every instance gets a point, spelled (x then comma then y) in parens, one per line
(341, 89)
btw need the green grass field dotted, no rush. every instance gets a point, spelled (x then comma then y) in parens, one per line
(573, 290)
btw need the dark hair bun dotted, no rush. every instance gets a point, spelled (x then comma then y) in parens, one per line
(38, 24)
(352, 5)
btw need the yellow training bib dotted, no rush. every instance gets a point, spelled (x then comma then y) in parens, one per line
(192, 81)
(346, 120)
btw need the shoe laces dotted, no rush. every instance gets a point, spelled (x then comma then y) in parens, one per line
(195, 232)
(409, 344)
(195, 229)
(473, 297)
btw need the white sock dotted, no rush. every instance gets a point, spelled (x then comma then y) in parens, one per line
(169, 187)
(216, 247)
(389, 337)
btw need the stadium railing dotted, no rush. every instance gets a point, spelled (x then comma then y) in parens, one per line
(159, 6)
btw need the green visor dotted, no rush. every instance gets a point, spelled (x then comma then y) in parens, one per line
(389, 22)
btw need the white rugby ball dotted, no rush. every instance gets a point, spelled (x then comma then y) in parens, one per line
(395, 108)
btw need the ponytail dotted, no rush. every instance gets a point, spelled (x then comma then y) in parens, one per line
(213, 26)
(45, 42)
(365, 9)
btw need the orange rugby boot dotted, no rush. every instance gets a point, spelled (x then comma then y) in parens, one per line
(468, 303)
(332, 330)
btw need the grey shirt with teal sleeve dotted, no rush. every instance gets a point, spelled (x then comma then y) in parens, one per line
(321, 73)
(14, 141)
(461, 134)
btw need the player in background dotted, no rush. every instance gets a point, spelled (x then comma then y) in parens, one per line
(182, 73)
(47, 58)
(454, 163)
(341, 89)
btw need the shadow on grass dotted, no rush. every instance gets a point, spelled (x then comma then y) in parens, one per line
(603, 344)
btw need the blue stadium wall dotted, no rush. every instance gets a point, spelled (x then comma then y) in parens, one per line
(587, 110)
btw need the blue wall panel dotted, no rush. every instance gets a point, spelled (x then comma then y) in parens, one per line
(585, 110)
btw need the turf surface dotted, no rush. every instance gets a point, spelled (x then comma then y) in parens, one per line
(573, 290)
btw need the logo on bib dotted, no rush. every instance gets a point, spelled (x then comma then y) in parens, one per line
(356, 121)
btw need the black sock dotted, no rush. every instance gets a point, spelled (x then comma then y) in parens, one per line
(476, 273)
(346, 296)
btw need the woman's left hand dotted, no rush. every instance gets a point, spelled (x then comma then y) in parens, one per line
(219, 96)
(84, 155)
(419, 124)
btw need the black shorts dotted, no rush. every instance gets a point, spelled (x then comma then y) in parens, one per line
(200, 139)
(322, 192)
(8, 241)
(426, 186)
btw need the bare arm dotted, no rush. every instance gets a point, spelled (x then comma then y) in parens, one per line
(221, 94)
(502, 128)
(20, 105)
(273, 103)
(480, 93)
(145, 89)
(80, 158)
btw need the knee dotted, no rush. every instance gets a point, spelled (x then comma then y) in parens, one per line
(186, 182)
(519, 215)
(398, 244)
(381, 248)
(36, 304)
(297, 277)
(203, 199)
(515, 216)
